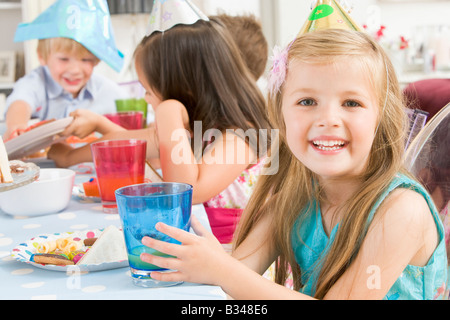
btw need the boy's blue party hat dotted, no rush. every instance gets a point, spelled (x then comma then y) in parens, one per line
(168, 13)
(85, 21)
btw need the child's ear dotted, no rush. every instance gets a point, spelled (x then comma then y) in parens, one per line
(42, 61)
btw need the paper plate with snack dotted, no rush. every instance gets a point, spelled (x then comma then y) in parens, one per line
(88, 250)
(36, 138)
(14, 174)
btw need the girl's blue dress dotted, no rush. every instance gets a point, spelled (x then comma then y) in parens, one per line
(311, 243)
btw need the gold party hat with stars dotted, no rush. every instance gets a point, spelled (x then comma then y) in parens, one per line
(329, 14)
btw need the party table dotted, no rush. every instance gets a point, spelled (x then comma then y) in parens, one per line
(20, 280)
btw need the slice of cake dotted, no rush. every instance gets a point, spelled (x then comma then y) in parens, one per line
(109, 247)
(5, 170)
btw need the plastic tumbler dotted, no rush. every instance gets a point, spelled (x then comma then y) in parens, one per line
(140, 208)
(118, 163)
(130, 120)
(133, 104)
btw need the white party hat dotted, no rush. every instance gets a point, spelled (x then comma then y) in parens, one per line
(168, 13)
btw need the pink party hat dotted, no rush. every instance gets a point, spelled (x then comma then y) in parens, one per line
(168, 13)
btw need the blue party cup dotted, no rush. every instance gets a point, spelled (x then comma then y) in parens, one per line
(140, 208)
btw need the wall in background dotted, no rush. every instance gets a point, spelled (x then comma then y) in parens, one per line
(282, 19)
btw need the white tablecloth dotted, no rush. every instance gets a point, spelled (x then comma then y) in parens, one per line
(20, 280)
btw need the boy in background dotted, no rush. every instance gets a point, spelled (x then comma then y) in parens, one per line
(247, 32)
(73, 37)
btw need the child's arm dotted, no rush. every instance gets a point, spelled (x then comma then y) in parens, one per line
(86, 122)
(65, 156)
(219, 166)
(404, 232)
(17, 117)
(201, 259)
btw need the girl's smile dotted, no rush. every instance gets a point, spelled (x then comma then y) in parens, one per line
(329, 127)
(329, 145)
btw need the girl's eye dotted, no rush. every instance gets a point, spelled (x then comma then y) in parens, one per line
(306, 102)
(351, 103)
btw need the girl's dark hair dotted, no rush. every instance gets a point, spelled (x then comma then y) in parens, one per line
(200, 66)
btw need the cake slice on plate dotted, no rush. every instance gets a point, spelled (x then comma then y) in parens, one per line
(109, 247)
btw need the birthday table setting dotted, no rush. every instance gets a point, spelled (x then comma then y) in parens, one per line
(76, 232)
(83, 218)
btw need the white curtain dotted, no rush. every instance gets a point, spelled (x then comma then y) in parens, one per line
(30, 10)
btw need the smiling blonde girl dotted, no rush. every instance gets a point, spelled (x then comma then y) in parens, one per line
(341, 211)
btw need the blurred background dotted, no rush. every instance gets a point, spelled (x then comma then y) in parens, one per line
(416, 33)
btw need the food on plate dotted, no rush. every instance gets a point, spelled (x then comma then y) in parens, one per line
(75, 141)
(71, 247)
(91, 188)
(89, 241)
(68, 245)
(38, 124)
(63, 242)
(76, 255)
(17, 166)
(46, 247)
(5, 170)
(109, 247)
(65, 245)
(40, 153)
(43, 152)
(51, 258)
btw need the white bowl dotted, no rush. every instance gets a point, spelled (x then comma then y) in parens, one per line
(51, 193)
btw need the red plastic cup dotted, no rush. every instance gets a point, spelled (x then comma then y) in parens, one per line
(130, 120)
(118, 163)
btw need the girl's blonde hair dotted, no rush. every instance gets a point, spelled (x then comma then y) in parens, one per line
(66, 45)
(288, 193)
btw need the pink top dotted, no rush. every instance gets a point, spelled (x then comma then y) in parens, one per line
(224, 210)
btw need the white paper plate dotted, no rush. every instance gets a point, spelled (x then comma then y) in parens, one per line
(36, 139)
(24, 252)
